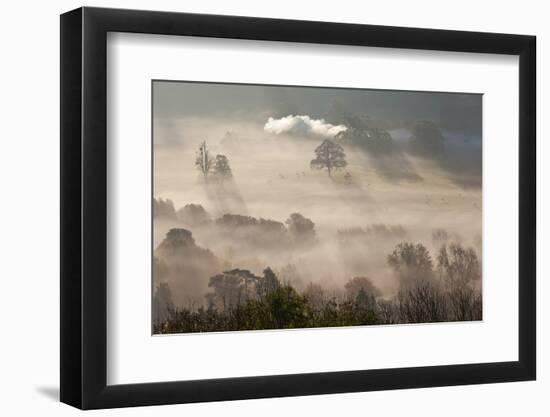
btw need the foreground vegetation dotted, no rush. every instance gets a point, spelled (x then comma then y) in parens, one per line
(240, 300)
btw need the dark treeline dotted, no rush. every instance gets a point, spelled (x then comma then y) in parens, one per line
(442, 291)
(250, 231)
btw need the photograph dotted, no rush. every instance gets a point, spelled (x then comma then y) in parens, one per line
(284, 207)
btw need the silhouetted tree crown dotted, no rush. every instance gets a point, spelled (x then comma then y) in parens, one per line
(456, 263)
(329, 156)
(193, 215)
(357, 285)
(231, 288)
(301, 228)
(267, 284)
(204, 162)
(221, 168)
(411, 262)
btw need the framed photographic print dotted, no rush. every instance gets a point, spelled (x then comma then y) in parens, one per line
(256, 208)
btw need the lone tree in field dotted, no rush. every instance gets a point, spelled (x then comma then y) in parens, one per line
(204, 162)
(329, 156)
(221, 167)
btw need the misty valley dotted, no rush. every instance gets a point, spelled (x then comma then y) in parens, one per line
(363, 212)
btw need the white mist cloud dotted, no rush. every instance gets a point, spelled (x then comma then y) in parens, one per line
(303, 125)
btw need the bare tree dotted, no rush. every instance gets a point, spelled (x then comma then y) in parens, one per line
(460, 270)
(457, 263)
(421, 302)
(204, 162)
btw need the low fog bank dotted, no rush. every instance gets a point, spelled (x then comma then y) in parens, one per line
(274, 211)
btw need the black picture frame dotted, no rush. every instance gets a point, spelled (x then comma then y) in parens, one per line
(84, 207)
